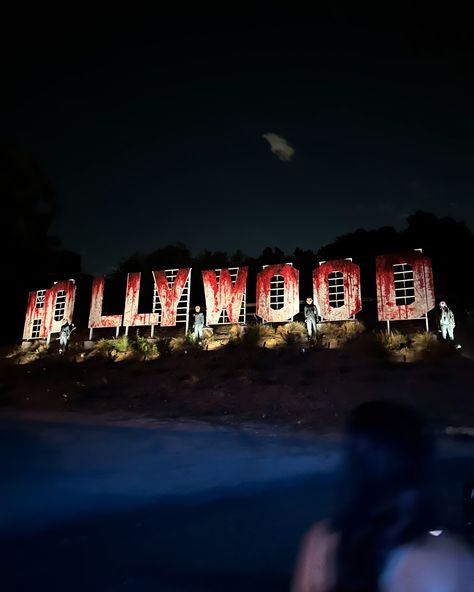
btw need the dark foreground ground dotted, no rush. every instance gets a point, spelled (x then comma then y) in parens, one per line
(311, 391)
(220, 462)
(171, 506)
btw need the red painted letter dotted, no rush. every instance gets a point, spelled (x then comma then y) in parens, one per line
(131, 316)
(49, 309)
(290, 301)
(170, 295)
(96, 320)
(405, 288)
(223, 295)
(336, 289)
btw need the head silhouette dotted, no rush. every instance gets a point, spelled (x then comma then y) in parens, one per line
(387, 446)
(388, 454)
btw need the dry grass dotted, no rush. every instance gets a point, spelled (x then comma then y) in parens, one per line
(177, 343)
(215, 340)
(412, 346)
(16, 351)
(37, 351)
(393, 343)
(265, 331)
(235, 331)
(265, 335)
(253, 336)
(341, 332)
(292, 333)
(184, 343)
(427, 345)
(353, 328)
(424, 341)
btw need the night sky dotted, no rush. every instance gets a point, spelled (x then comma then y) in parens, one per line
(152, 128)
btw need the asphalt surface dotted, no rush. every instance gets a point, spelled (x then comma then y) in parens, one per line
(172, 506)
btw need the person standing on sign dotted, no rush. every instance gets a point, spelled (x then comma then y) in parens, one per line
(310, 317)
(198, 323)
(65, 335)
(447, 323)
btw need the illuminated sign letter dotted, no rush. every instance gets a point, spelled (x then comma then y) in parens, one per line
(96, 320)
(405, 288)
(170, 295)
(131, 316)
(223, 295)
(277, 293)
(49, 309)
(336, 289)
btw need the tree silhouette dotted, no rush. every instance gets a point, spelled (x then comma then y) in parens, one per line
(30, 256)
(30, 205)
(450, 244)
(447, 241)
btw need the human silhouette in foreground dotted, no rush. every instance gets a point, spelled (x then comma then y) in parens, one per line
(381, 540)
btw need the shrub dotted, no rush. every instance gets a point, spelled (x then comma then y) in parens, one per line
(235, 331)
(247, 337)
(121, 344)
(423, 341)
(16, 351)
(41, 350)
(111, 347)
(190, 339)
(292, 333)
(186, 342)
(427, 344)
(341, 331)
(250, 338)
(353, 328)
(266, 331)
(215, 339)
(163, 347)
(144, 347)
(393, 342)
(176, 343)
(257, 335)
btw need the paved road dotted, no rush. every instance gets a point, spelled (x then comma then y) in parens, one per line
(178, 507)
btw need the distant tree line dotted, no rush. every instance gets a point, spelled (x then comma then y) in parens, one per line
(33, 258)
(449, 243)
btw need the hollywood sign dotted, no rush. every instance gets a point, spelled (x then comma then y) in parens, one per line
(404, 283)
